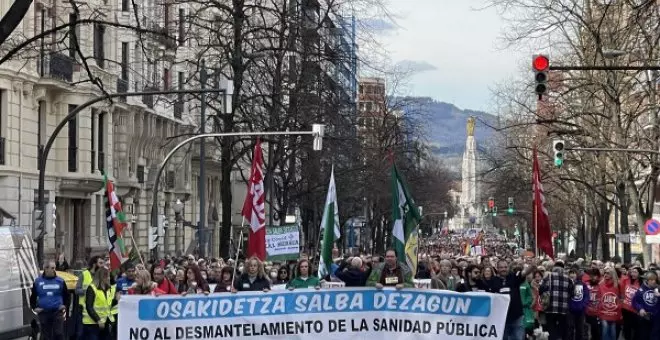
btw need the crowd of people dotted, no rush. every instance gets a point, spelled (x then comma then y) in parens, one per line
(567, 298)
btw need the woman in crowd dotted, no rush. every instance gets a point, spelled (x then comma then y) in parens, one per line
(527, 299)
(100, 297)
(281, 276)
(253, 279)
(195, 283)
(226, 280)
(144, 285)
(609, 307)
(629, 285)
(303, 279)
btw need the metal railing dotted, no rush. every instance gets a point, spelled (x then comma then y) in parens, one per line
(57, 66)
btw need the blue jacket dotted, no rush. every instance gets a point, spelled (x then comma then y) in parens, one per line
(123, 284)
(579, 299)
(50, 292)
(645, 299)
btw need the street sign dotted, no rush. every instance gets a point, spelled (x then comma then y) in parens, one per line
(652, 227)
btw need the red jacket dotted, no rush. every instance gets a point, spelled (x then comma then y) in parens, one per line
(609, 304)
(594, 299)
(154, 292)
(167, 287)
(628, 291)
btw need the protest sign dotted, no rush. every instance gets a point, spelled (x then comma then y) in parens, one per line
(422, 283)
(348, 313)
(283, 242)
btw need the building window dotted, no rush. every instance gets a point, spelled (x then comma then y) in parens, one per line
(166, 79)
(73, 141)
(101, 140)
(124, 60)
(182, 26)
(93, 141)
(99, 45)
(125, 5)
(72, 37)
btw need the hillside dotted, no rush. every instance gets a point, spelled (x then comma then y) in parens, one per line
(446, 127)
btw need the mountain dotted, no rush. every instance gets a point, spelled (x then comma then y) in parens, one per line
(445, 126)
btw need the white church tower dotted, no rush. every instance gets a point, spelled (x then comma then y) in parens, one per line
(471, 209)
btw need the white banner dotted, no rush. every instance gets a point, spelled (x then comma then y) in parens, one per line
(348, 313)
(283, 242)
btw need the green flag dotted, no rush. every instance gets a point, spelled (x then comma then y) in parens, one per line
(330, 228)
(406, 218)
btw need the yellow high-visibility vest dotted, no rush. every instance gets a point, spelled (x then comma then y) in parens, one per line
(86, 281)
(115, 309)
(102, 305)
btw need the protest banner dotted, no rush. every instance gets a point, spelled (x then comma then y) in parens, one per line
(348, 313)
(283, 242)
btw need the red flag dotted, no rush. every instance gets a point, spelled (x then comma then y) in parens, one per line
(254, 207)
(540, 213)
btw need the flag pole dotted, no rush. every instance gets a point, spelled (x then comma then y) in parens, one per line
(238, 251)
(135, 246)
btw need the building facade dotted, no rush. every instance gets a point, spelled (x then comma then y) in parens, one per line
(125, 139)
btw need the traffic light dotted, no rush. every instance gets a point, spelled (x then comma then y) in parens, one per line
(510, 210)
(494, 211)
(558, 149)
(541, 65)
(38, 224)
(491, 203)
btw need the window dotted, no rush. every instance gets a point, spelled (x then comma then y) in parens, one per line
(125, 5)
(72, 37)
(166, 15)
(101, 140)
(124, 60)
(93, 141)
(73, 141)
(166, 79)
(99, 45)
(182, 26)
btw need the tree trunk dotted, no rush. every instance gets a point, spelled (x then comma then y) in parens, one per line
(604, 214)
(580, 239)
(623, 218)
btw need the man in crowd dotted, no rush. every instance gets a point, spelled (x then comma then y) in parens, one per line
(49, 300)
(508, 282)
(125, 282)
(560, 288)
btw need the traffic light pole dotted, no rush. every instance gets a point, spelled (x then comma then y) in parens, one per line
(604, 68)
(44, 150)
(656, 152)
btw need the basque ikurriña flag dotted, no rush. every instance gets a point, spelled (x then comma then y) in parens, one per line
(254, 207)
(116, 222)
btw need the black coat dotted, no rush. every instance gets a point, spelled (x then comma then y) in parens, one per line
(243, 284)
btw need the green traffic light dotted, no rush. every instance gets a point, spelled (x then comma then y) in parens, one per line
(559, 162)
(510, 211)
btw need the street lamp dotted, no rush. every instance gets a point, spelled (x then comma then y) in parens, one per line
(178, 209)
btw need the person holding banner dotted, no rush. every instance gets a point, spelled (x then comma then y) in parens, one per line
(144, 286)
(195, 282)
(226, 280)
(254, 279)
(302, 279)
(355, 276)
(393, 273)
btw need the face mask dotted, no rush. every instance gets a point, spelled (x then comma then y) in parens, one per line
(273, 275)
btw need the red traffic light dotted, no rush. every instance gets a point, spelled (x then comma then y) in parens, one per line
(491, 203)
(541, 63)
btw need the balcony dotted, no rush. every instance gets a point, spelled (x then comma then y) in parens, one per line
(165, 37)
(57, 66)
(178, 109)
(148, 99)
(122, 87)
(2, 151)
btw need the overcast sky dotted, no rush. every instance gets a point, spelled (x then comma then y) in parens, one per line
(454, 46)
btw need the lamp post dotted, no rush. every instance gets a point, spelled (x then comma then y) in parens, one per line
(318, 131)
(178, 209)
